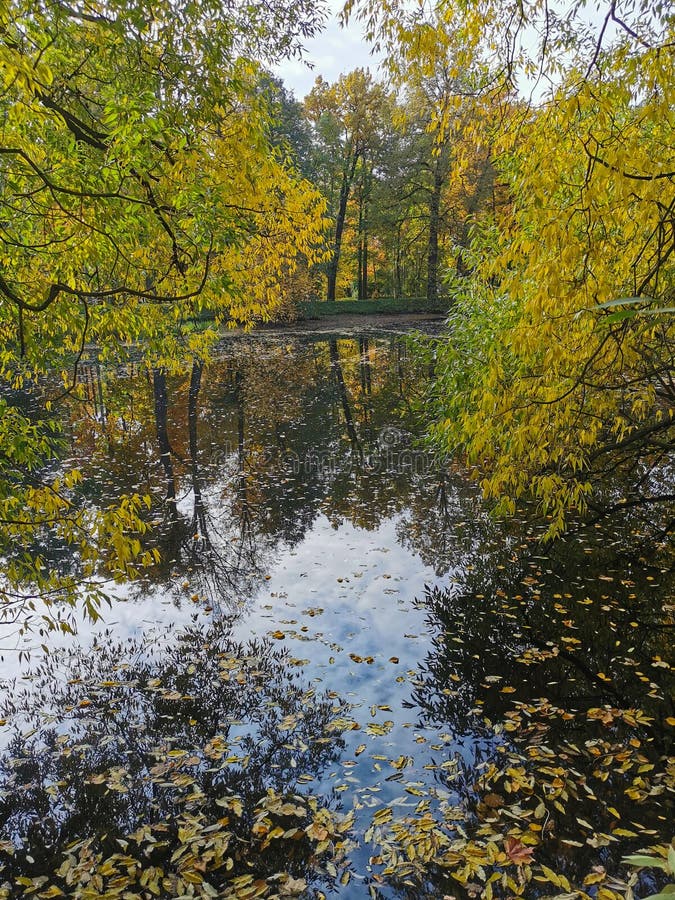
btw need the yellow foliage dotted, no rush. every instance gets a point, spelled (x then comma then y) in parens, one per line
(544, 386)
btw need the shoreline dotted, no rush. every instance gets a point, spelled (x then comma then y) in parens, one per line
(373, 323)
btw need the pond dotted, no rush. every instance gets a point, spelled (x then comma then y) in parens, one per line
(342, 678)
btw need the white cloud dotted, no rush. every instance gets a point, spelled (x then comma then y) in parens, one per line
(333, 52)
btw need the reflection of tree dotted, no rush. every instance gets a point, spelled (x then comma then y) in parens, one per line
(161, 410)
(564, 654)
(143, 742)
(555, 637)
(445, 522)
(316, 450)
(344, 398)
(221, 551)
(365, 366)
(246, 452)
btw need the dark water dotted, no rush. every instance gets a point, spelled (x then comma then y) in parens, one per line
(335, 619)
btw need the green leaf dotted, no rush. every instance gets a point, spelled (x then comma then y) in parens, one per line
(666, 894)
(643, 860)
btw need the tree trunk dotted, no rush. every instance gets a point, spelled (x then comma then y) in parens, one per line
(161, 411)
(193, 395)
(364, 356)
(364, 267)
(347, 178)
(434, 219)
(359, 251)
(363, 238)
(336, 367)
(398, 274)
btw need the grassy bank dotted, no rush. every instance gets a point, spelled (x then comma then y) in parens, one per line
(322, 309)
(319, 309)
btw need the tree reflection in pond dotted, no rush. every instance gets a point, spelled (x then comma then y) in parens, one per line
(506, 734)
(242, 456)
(563, 671)
(190, 763)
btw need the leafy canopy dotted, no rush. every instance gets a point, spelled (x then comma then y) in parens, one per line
(542, 384)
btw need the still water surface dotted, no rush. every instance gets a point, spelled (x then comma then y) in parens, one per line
(392, 632)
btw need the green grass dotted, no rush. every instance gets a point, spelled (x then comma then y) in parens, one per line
(319, 309)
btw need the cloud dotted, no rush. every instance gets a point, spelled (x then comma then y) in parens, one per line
(333, 52)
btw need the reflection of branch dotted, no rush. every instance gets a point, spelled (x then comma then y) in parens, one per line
(203, 543)
(578, 664)
(137, 740)
(627, 504)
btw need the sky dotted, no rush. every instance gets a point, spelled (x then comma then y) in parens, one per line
(334, 51)
(338, 50)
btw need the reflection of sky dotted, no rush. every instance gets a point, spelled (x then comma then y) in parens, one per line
(365, 584)
(147, 617)
(363, 580)
(341, 601)
(339, 592)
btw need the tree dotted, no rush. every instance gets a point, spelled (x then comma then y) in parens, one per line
(548, 387)
(289, 128)
(429, 97)
(128, 162)
(346, 116)
(137, 188)
(398, 211)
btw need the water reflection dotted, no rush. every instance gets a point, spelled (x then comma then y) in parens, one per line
(563, 671)
(243, 456)
(350, 622)
(157, 743)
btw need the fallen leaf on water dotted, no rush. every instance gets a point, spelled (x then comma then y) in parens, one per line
(517, 852)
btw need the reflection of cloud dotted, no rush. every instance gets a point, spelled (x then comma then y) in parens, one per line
(364, 582)
(335, 51)
(153, 615)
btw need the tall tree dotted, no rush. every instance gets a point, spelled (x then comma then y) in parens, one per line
(440, 105)
(398, 208)
(347, 117)
(560, 370)
(289, 129)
